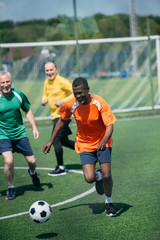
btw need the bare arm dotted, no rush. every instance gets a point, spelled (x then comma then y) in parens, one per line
(60, 124)
(31, 119)
(44, 102)
(59, 103)
(107, 135)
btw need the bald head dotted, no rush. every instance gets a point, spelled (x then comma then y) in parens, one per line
(50, 70)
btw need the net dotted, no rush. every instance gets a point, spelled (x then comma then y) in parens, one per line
(124, 71)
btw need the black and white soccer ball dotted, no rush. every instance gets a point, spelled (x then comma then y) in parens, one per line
(40, 211)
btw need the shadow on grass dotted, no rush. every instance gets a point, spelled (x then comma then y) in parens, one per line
(46, 235)
(98, 208)
(22, 189)
(73, 166)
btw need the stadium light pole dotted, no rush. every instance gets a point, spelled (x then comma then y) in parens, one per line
(76, 36)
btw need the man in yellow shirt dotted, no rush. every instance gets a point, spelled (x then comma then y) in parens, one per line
(57, 91)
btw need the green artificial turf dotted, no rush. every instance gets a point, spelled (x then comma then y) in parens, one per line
(135, 170)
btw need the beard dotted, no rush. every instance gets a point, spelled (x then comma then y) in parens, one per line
(6, 90)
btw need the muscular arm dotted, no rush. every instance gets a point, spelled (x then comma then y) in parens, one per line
(31, 119)
(60, 124)
(107, 135)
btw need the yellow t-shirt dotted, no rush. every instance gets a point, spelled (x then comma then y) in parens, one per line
(57, 89)
(91, 120)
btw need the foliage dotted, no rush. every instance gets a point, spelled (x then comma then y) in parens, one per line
(8, 35)
(154, 25)
(62, 28)
(6, 25)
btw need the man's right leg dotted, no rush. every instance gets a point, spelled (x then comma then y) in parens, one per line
(88, 162)
(89, 173)
(9, 173)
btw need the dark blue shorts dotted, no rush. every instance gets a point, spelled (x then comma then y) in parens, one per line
(20, 146)
(93, 157)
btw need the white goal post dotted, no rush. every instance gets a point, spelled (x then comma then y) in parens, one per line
(109, 59)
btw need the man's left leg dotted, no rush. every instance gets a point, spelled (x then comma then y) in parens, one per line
(9, 174)
(108, 185)
(31, 170)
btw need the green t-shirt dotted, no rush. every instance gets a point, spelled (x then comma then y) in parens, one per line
(11, 122)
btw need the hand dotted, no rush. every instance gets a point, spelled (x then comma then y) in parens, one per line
(101, 146)
(59, 103)
(46, 147)
(43, 102)
(35, 134)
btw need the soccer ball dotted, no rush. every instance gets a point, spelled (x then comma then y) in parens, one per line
(40, 211)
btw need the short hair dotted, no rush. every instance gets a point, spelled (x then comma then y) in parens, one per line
(80, 81)
(5, 72)
(51, 62)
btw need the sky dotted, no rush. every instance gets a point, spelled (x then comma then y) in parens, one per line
(22, 10)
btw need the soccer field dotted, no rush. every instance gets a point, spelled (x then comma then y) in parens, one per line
(77, 210)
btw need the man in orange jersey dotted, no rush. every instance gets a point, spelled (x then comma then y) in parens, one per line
(94, 120)
(57, 91)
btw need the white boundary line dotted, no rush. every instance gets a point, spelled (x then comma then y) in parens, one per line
(138, 118)
(56, 204)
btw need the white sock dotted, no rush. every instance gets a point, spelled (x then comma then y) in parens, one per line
(61, 167)
(99, 175)
(108, 199)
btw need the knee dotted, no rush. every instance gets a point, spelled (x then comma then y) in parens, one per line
(8, 165)
(106, 175)
(57, 144)
(8, 162)
(31, 160)
(89, 179)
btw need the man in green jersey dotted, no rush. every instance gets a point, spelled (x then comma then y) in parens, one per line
(13, 136)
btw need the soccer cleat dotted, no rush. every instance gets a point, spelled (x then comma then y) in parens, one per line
(99, 185)
(110, 210)
(35, 179)
(10, 194)
(57, 172)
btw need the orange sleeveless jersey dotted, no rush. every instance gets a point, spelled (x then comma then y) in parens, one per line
(91, 120)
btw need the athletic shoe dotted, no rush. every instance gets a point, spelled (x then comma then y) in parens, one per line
(35, 179)
(110, 210)
(10, 194)
(99, 185)
(57, 172)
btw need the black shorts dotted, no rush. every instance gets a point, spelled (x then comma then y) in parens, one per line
(20, 146)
